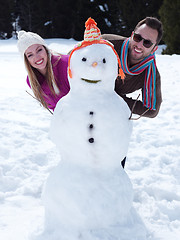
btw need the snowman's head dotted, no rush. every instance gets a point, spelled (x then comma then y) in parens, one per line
(94, 66)
(94, 61)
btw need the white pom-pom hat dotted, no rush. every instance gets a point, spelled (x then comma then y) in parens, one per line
(27, 39)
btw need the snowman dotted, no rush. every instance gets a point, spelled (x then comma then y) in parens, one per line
(88, 195)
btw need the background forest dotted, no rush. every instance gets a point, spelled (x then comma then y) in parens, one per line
(65, 19)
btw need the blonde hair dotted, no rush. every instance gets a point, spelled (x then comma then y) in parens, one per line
(33, 78)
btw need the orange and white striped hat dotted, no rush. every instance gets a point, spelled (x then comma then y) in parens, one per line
(92, 35)
(92, 32)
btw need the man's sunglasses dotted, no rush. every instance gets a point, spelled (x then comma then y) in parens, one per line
(138, 38)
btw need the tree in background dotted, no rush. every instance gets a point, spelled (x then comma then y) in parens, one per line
(132, 11)
(31, 14)
(66, 19)
(170, 17)
(49, 18)
(105, 13)
(6, 27)
(61, 18)
(113, 16)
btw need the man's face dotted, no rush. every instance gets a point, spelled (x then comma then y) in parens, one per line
(137, 51)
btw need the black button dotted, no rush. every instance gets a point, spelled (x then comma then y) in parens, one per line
(91, 140)
(91, 113)
(91, 126)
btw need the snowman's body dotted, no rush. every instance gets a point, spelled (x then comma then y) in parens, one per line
(88, 195)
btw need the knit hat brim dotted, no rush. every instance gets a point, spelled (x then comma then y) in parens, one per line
(27, 39)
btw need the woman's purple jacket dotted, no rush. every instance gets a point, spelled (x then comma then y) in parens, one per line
(59, 66)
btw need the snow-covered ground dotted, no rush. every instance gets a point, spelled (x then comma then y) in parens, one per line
(27, 155)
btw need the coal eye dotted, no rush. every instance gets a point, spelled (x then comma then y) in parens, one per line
(104, 60)
(84, 59)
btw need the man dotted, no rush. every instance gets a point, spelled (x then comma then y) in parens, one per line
(138, 63)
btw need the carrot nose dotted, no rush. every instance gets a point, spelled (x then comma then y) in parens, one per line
(94, 64)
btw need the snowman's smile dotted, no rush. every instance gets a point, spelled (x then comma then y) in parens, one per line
(90, 81)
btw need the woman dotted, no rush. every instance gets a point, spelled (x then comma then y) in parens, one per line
(47, 72)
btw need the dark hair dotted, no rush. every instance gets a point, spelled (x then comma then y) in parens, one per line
(153, 23)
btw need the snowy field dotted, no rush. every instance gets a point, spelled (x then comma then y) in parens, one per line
(27, 155)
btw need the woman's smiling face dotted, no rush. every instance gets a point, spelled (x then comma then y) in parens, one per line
(37, 57)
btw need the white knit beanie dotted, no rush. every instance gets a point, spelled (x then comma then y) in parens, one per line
(26, 39)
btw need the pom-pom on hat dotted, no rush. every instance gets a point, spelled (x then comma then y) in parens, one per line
(26, 39)
(92, 35)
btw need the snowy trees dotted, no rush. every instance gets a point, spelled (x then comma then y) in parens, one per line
(65, 19)
(170, 12)
(132, 11)
(6, 19)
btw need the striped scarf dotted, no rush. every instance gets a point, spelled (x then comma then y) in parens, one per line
(149, 63)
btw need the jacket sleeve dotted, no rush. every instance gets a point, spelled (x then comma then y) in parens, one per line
(28, 82)
(112, 37)
(137, 107)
